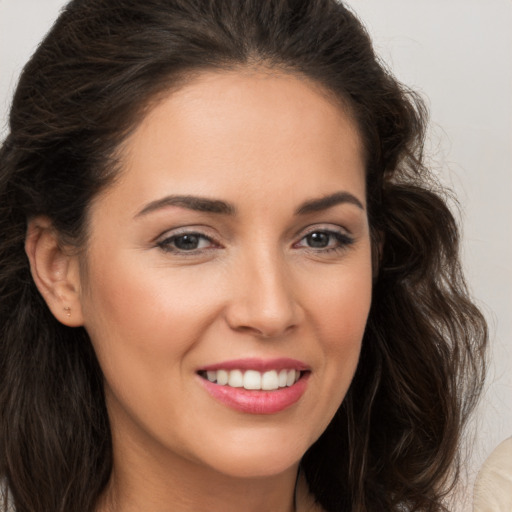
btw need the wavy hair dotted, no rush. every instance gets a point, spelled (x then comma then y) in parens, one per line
(393, 444)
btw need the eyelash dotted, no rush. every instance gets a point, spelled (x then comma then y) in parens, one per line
(166, 244)
(343, 241)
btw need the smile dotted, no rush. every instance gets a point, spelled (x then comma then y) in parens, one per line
(256, 386)
(253, 379)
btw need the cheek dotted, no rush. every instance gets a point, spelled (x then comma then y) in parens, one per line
(342, 304)
(340, 311)
(143, 321)
(132, 303)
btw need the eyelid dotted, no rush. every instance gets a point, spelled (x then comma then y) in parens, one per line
(326, 227)
(164, 239)
(344, 237)
(192, 229)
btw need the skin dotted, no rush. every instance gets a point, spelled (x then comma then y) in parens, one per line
(254, 287)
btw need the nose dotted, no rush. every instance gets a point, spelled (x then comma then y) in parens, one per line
(262, 300)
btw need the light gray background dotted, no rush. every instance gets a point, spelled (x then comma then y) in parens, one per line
(458, 53)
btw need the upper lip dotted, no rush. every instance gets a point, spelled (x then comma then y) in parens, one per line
(261, 365)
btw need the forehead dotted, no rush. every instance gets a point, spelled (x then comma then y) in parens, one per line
(245, 129)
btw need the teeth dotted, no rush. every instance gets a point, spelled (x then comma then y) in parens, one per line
(254, 380)
(222, 377)
(283, 376)
(269, 381)
(236, 379)
(290, 378)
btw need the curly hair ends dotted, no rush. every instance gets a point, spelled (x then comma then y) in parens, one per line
(393, 444)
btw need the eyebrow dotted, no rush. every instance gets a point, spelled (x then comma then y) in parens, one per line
(203, 204)
(324, 203)
(200, 204)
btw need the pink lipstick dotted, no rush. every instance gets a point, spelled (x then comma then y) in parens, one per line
(256, 386)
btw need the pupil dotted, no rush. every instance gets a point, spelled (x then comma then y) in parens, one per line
(318, 240)
(187, 242)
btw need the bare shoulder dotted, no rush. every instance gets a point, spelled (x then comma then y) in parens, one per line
(493, 486)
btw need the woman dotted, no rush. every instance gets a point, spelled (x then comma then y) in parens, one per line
(227, 280)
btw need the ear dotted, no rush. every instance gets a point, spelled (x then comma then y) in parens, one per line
(55, 270)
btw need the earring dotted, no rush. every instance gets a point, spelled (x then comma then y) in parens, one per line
(67, 309)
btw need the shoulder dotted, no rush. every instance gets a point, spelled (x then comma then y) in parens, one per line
(493, 486)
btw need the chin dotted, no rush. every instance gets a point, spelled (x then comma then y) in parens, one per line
(257, 468)
(259, 459)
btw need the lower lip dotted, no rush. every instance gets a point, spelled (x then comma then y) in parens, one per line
(257, 402)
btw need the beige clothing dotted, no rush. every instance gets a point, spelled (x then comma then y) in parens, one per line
(493, 486)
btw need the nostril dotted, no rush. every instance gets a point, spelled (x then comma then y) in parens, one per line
(265, 333)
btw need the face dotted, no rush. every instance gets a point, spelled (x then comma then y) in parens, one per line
(233, 247)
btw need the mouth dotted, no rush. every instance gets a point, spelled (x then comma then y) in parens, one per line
(253, 380)
(256, 386)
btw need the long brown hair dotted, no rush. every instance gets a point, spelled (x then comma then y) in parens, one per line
(393, 443)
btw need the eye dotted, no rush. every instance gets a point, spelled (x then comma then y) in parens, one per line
(325, 240)
(186, 242)
(318, 240)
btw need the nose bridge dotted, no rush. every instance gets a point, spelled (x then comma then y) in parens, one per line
(263, 300)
